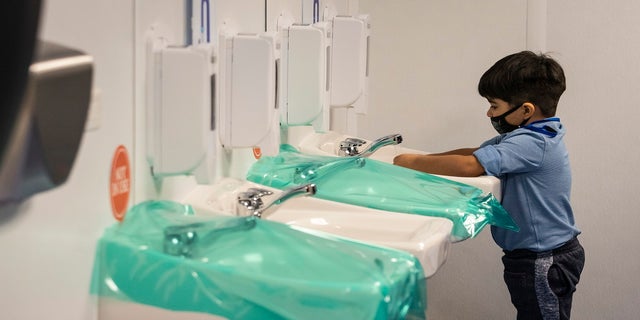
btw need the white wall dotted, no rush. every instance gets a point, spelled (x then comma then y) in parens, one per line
(48, 242)
(428, 93)
(426, 57)
(598, 46)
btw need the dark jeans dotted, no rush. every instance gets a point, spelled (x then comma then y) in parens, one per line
(542, 284)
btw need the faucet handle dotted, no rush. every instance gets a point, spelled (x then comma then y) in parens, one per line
(353, 141)
(250, 201)
(260, 192)
(349, 146)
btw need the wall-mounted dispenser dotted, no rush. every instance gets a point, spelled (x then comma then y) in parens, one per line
(348, 71)
(180, 123)
(362, 104)
(43, 139)
(248, 117)
(305, 76)
(348, 60)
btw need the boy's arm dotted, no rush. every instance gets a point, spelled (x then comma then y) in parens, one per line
(461, 152)
(460, 162)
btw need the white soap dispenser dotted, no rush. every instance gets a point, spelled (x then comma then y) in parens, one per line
(304, 81)
(362, 104)
(348, 60)
(247, 92)
(179, 112)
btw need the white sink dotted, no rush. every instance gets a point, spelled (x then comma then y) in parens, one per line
(307, 141)
(427, 238)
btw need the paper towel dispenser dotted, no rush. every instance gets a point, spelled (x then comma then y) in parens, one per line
(41, 138)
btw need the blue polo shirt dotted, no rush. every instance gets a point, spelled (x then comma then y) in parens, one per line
(532, 164)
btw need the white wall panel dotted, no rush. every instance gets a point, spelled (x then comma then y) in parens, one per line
(426, 59)
(48, 244)
(425, 88)
(597, 43)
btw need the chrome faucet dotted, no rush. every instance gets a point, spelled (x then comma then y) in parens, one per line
(189, 240)
(349, 147)
(250, 202)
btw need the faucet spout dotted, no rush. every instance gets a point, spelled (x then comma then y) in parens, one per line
(250, 202)
(391, 139)
(299, 191)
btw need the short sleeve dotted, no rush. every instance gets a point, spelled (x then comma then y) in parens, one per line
(517, 153)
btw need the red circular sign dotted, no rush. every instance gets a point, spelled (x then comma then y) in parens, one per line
(120, 182)
(257, 153)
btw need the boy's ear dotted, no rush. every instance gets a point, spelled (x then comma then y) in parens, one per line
(529, 108)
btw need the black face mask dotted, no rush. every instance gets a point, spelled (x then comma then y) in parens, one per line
(502, 126)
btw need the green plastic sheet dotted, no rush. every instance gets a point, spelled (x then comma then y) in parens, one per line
(166, 256)
(374, 184)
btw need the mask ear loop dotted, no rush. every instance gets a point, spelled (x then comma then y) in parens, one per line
(512, 110)
(524, 121)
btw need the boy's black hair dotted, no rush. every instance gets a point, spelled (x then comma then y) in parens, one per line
(525, 77)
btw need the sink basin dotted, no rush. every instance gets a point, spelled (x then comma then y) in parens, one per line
(427, 238)
(307, 141)
(168, 261)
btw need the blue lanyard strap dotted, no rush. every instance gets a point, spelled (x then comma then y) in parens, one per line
(546, 130)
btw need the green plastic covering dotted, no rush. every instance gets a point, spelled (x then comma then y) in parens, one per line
(166, 256)
(374, 184)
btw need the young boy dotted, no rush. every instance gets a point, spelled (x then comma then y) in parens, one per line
(544, 260)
